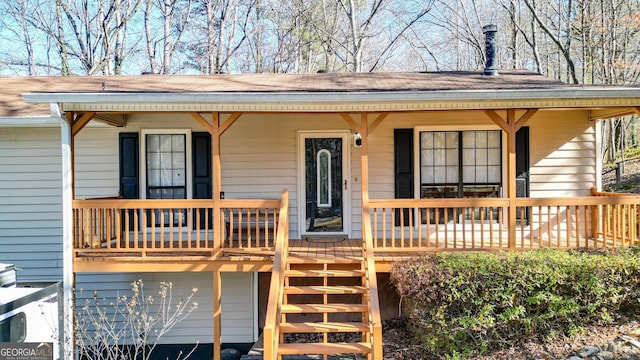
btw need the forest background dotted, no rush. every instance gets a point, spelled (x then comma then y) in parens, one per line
(575, 41)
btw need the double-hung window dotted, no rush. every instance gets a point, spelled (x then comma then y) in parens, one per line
(459, 164)
(456, 164)
(166, 171)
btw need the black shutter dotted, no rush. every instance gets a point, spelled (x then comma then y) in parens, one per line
(522, 162)
(202, 175)
(522, 170)
(129, 167)
(403, 165)
(201, 142)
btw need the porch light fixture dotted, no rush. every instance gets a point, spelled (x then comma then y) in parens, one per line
(357, 140)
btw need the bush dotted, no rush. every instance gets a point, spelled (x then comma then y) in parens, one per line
(129, 327)
(466, 304)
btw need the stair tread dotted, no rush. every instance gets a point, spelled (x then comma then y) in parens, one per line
(293, 259)
(324, 289)
(334, 273)
(324, 327)
(322, 308)
(322, 348)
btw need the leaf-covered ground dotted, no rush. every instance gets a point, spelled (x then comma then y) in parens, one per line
(398, 344)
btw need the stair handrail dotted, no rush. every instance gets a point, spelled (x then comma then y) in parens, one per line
(271, 334)
(375, 322)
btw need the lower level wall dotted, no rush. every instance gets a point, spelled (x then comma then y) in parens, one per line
(238, 301)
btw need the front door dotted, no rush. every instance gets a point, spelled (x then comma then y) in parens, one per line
(323, 183)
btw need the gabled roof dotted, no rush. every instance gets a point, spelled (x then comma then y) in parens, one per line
(335, 87)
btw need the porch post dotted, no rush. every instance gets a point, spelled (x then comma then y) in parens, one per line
(510, 126)
(217, 181)
(511, 176)
(217, 312)
(364, 149)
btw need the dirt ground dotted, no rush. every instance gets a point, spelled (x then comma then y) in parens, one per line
(399, 346)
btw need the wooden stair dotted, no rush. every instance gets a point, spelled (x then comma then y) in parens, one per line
(323, 298)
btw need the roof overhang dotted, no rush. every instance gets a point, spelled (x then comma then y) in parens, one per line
(35, 121)
(362, 101)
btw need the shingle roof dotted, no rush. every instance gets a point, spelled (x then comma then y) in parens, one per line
(12, 88)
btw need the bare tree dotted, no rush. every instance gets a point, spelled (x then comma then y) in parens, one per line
(94, 33)
(174, 17)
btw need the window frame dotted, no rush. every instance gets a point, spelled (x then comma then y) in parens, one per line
(143, 158)
(417, 184)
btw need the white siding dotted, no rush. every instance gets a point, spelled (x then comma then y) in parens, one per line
(238, 301)
(30, 202)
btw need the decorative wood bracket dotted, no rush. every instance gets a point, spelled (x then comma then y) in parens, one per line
(358, 127)
(216, 117)
(81, 122)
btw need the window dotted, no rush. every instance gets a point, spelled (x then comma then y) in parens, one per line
(166, 166)
(457, 164)
(323, 178)
(13, 329)
(166, 173)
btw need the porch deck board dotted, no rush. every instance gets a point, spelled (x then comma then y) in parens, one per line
(335, 248)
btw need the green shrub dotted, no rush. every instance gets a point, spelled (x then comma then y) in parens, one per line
(469, 303)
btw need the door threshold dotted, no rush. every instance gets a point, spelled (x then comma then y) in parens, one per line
(335, 237)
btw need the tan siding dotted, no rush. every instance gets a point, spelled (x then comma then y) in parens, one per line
(562, 149)
(30, 197)
(563, 154)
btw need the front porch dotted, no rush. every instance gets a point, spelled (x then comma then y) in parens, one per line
(247, 229)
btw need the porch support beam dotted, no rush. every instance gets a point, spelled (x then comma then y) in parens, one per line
(609, 113)
(227, 123)
(377, 122)
(637, 110)
(354, 125)
(510, 126)
(511, 176)
(364, 163)
(217, 314)
(359, 128)
(217, 180)
(205, 124)
(81, 122)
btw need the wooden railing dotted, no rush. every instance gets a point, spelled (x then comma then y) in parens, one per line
(372, 299)
(618, 222)
(271, 333)
(146, 227)
(408, 225)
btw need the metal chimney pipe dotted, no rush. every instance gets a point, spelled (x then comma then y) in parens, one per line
(489, 32)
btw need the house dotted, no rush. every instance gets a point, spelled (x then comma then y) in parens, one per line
(217, 181)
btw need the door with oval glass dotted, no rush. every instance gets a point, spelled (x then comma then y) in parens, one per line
(324, 183)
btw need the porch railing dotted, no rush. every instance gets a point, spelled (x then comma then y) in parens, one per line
(371, 299)
(173, 226)
(276, 290)
(407, 225)
(618, 222)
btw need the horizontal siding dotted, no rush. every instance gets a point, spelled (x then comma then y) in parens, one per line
(238, 301)
(96, 155)
(30, 202)
(563, 155)
(562, 144)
